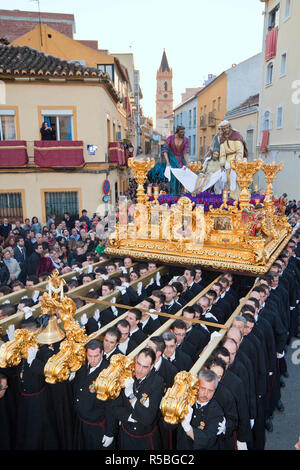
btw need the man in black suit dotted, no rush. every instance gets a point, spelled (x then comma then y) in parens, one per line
(137, 407)
(221, 303)
(179, 328)
(196, 336)
(5, 228)
(90, 412)
(227, 402)
(126, 344)
(204, 421)
(192, 287)
(242, 435)
(212, 295)
(178, 358)
(204, 302)
(159, 299)
(238, 368)
(33, 260)
(149, 321)
(170, 306)
(20, 256)
(199, 278)
(132, 294)
(133, 317)
(162, 366)
(111, 339)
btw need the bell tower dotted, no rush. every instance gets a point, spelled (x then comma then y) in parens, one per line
(164, 97)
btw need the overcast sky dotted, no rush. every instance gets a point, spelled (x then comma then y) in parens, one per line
(200, 36)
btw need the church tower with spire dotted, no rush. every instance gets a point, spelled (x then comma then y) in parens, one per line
(164, 98)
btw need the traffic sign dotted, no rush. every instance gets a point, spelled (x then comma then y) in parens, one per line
(106, 186)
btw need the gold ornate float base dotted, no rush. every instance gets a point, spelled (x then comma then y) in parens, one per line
(239, 237)
(234, 259)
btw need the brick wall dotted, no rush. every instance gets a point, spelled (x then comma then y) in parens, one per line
(13, 28)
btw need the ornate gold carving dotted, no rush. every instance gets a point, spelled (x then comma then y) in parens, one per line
(71, 355)
(174, 405)
(13, 351)
(239, 236)
(110, 381)
(140, 169)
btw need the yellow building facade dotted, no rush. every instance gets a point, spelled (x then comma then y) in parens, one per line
(280, 96)
(211, 111)
(84, 101)
(51, 42)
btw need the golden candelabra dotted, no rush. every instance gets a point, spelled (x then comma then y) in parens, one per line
(174, 405)
(111, 380)
(245, 171)
(270, 170)
(140, 168)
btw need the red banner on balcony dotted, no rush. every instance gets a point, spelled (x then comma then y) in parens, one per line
(116, 153)
(271, 43)
(264, 141)
(13, 153)
(58, 153)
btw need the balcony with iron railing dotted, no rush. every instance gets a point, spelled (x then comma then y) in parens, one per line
(203, 121)
(212, 118)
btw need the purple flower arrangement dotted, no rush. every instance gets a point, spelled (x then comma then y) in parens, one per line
(206, 198)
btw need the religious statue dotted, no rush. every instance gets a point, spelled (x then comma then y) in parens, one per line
(210, 175)
(175, 155)
(232, 147)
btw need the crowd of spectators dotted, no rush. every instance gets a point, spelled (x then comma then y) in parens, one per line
(292, 212)
(29, 252)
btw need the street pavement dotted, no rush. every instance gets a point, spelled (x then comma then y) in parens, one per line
(287, 424)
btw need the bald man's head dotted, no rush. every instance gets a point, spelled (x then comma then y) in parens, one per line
(235, 334)
(231, 347)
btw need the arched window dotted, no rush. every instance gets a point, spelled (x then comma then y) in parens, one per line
(166, 86)
(267, 121)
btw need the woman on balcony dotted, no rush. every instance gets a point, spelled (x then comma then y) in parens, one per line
(46, 131)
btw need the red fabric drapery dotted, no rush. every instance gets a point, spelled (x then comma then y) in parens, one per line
(264, 141)
(13, 153)
(116, 153)
(58, 153)
(271, 43)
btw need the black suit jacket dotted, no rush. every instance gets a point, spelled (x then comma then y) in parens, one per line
(146, 417)
(151, 326)
(21, 258)
(182, 361)
(204, 439)
(198, 338)
(235, 385)
(86, 403)
(167, 371)
(138, 336)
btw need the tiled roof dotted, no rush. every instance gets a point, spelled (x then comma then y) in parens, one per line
(248, 103)
(16, 61)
